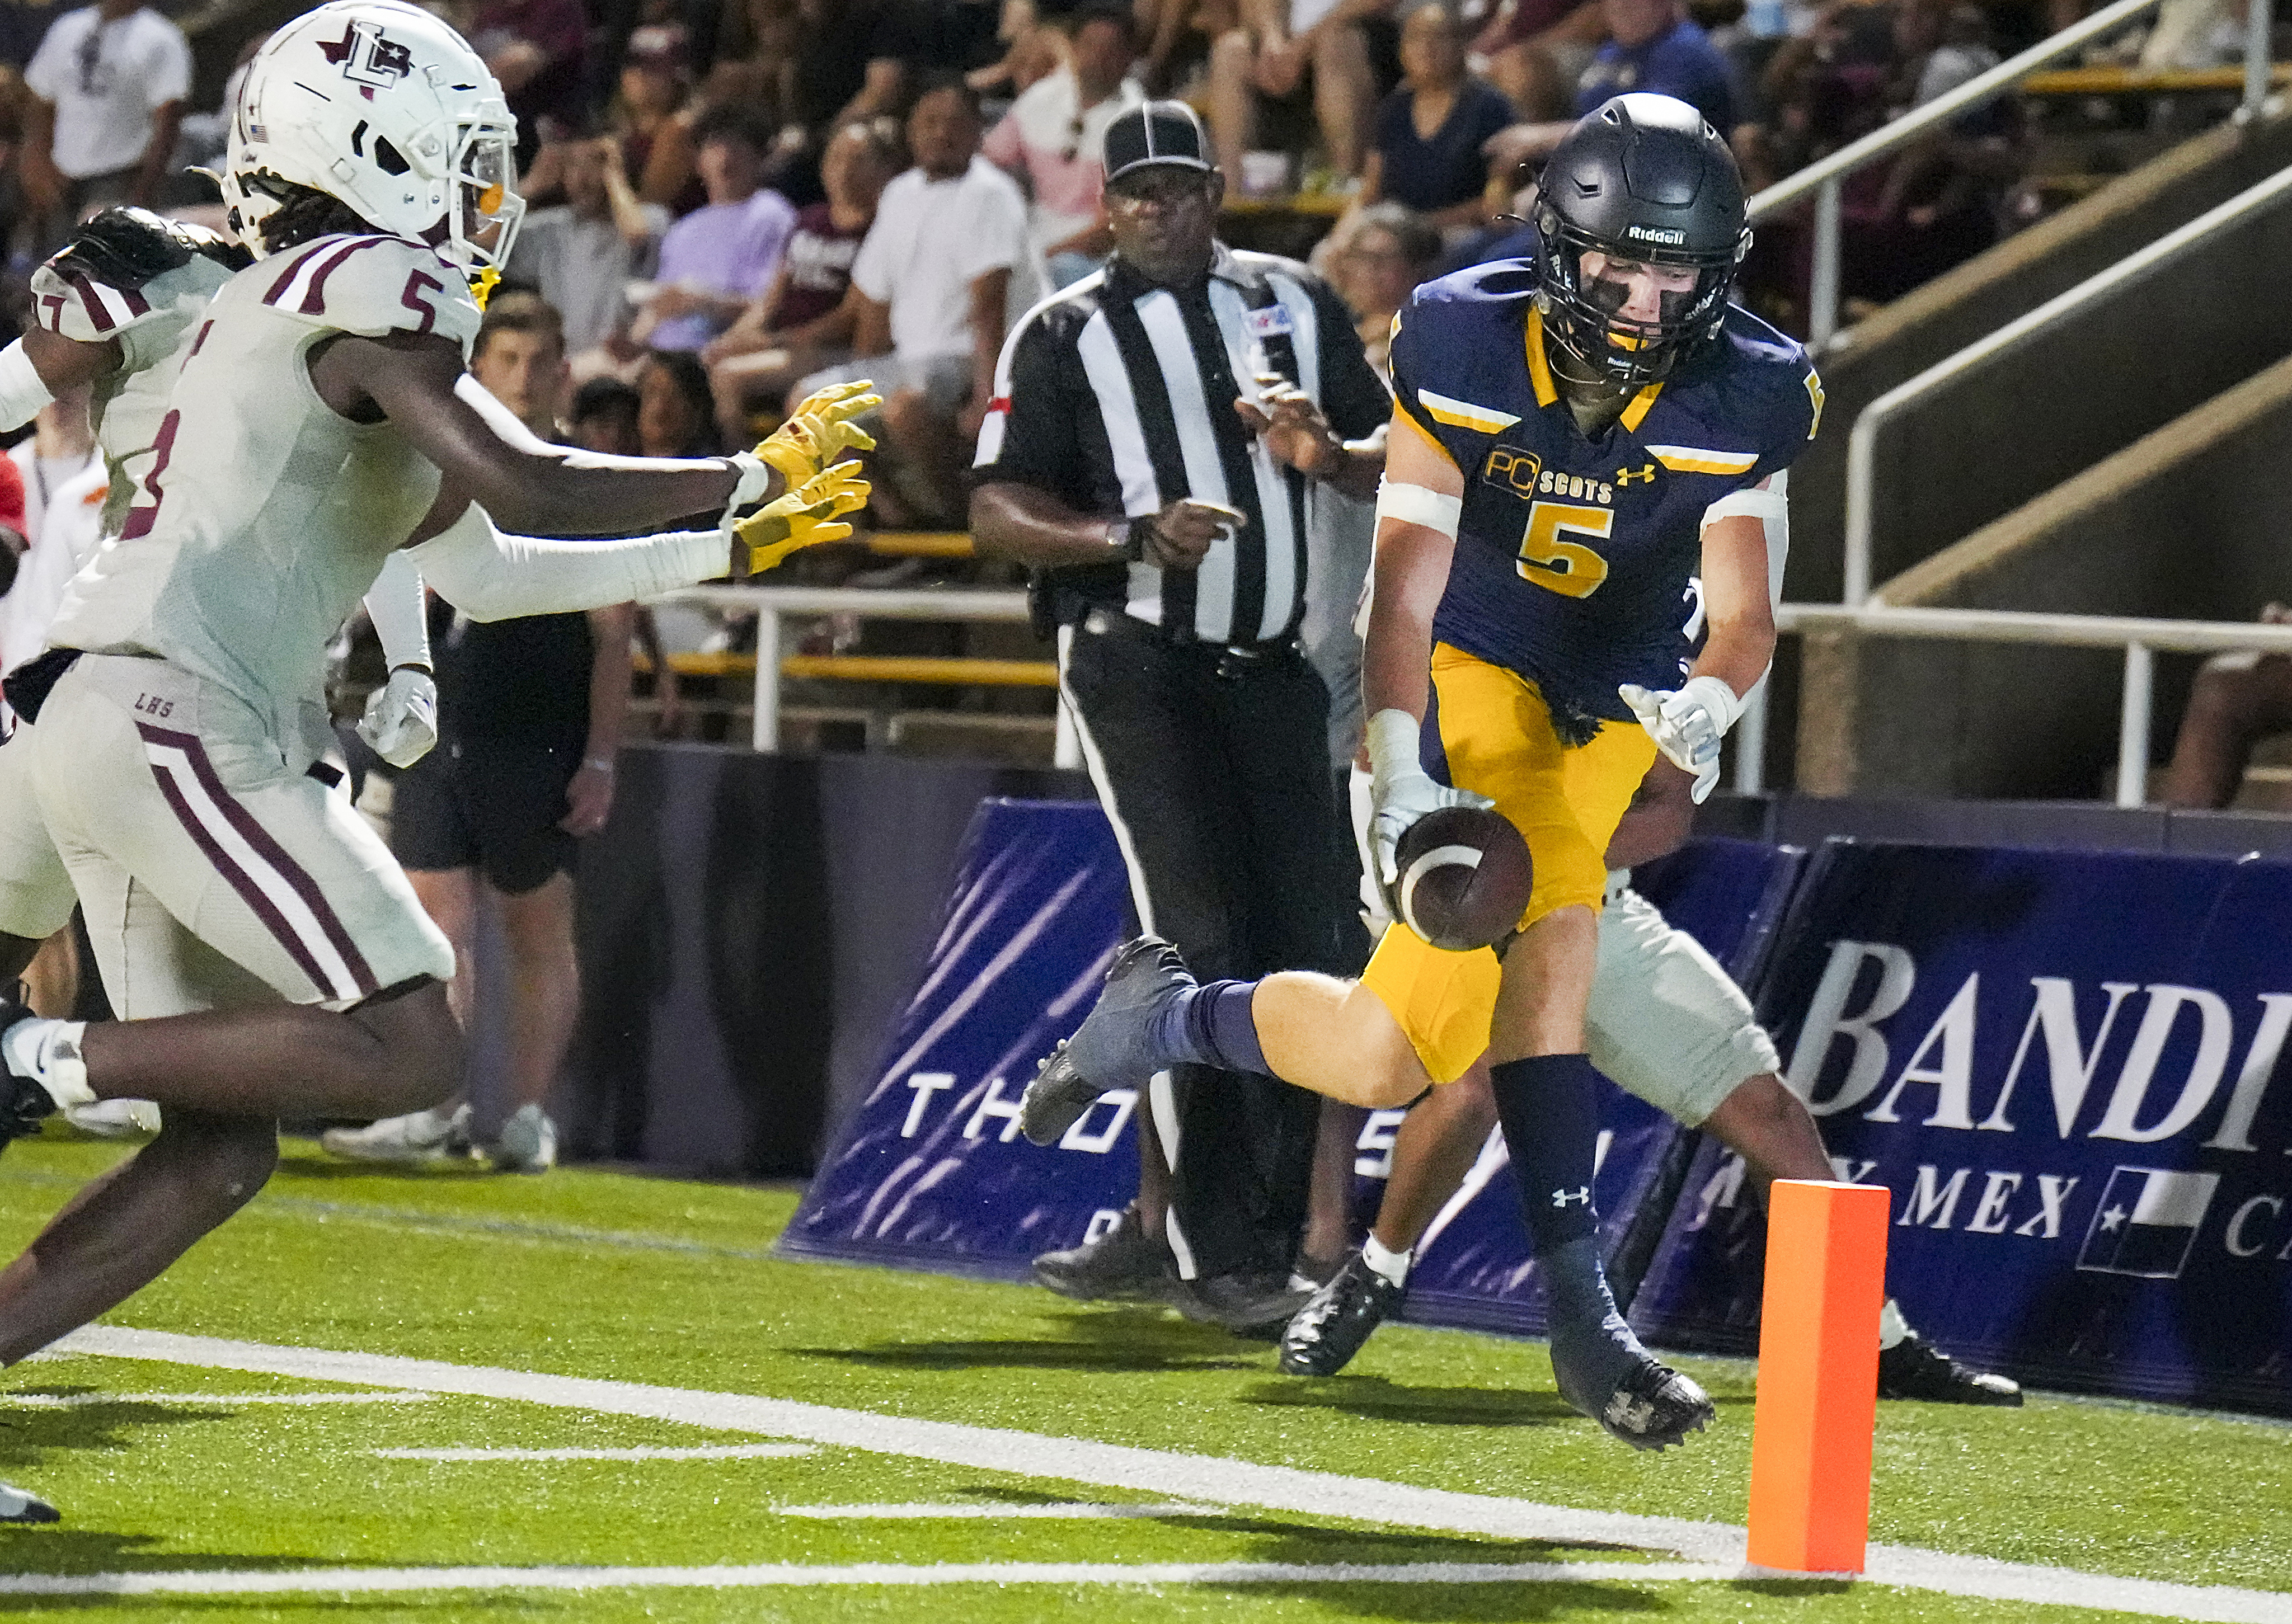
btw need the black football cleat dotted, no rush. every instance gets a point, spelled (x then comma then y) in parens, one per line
(16, 1505)
(1109, 1049)
(1124, 1265)
(1329, 1330)
(24, 1101)
(1248, 1302)
(1652, 1405)
(1914, 1368)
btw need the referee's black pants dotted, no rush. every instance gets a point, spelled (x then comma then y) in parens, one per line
(1213, 765)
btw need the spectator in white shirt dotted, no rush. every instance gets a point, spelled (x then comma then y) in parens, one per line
(60, 448)
(1055, 139)
(582, 253)
(107, 86)
(943, 269)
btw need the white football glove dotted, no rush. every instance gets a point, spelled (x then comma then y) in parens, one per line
(401, 716)
(1400, 792)
(1687, 724)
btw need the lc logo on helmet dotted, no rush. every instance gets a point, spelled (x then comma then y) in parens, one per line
(368, 57)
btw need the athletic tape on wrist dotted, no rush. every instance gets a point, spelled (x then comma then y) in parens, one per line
(1418, 505)
(1723, 703)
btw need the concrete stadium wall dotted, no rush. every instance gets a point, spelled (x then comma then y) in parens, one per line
(2189, 522)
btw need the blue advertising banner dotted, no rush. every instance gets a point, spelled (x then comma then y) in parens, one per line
(2063, 1066)
(1473, 1267)
(933, 1172)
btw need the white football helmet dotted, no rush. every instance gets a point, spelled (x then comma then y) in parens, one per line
(384, 107)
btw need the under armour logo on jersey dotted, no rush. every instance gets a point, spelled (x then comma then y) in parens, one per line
(1581, 1196)
(1644, 473)
(368, 57)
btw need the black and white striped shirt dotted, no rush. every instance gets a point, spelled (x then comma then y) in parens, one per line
(1116, 396)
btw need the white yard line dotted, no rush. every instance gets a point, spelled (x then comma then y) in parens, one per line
(1177, 1474)
(995, 1513)
(340, 1580)
(81, 1401)
(713, 1452)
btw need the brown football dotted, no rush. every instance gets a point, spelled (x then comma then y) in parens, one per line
(1465, 877)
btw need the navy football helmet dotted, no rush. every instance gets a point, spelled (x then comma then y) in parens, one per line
(1641, 179)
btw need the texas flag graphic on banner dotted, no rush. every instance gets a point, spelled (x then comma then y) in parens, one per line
(2147, 1221)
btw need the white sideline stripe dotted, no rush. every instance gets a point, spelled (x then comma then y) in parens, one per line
(987, 1512)
(340, 1580)
(713, 1451)
(1179, 1475)
(81, 1401)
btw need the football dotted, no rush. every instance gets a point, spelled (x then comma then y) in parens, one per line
(1464, 877)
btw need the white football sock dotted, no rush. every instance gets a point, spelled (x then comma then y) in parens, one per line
(1392, 1265)
(48, 1053)
(1893, 1327)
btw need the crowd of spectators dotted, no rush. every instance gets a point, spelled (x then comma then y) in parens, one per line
(786, 191)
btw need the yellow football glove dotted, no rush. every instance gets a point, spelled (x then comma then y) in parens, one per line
(820, 430)
(810, 514)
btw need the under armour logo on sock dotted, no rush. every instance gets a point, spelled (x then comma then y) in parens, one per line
(1582, 1194)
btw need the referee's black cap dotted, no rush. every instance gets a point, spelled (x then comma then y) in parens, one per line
(1163, 133)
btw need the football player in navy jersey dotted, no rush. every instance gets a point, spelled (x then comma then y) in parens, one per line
(1574, 435)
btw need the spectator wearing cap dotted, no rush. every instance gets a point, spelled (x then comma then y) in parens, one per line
(1164, 506)
(107, 86)
(1653, 45)
(943, 266)
(1431, 130)
(805, 320)
(582, 253)
(718, 258)
(1054, 138)
(652, 120)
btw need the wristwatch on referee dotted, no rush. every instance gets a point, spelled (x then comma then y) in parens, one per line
(1129, 536)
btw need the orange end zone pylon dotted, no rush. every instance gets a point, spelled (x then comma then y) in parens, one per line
(1818, 1406)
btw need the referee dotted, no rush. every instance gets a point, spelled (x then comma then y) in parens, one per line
(1153, 452)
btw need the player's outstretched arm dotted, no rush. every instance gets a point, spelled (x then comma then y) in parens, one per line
(412, 380)
(40, 365)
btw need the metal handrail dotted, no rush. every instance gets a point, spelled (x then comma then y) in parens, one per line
(1862, 445)
(1824, 177)
(771, 604)
(2138, 636)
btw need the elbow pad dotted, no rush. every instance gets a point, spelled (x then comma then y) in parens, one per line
(491, 576)
(22, 392)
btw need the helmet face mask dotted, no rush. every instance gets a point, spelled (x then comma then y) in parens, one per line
(385, 108)
(1642, 182)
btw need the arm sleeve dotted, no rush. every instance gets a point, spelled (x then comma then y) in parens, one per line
(491, 576)
(21, 397)
(401, 621)
(1031, 433)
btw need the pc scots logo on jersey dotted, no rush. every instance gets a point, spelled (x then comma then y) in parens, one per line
(367, 56)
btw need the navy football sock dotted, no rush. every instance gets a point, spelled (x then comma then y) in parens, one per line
(1209, 1024)
(1549, 1107)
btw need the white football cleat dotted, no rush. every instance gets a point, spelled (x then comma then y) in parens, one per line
(528, 1142)
(420, 1139)
(114, 1118)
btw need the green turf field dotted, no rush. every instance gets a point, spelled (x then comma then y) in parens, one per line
(169, 1464)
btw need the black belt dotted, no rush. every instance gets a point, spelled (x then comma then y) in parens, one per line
(1232, 661)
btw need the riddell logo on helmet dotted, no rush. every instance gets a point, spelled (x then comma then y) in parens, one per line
(367, 58)
(1655, 234)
